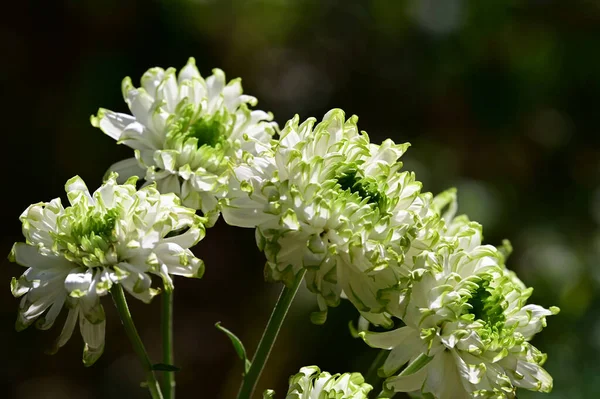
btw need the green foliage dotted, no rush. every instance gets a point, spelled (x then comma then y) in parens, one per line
(237, 345)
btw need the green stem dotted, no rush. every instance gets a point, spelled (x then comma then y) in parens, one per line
(168, 383)
(412, 368)
(269, 336)
(138, 346)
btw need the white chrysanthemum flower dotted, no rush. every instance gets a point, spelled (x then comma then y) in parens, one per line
(311, 383)
(185, 130)
(467, 313)
(327, 200)
(75, 254)
(430, 232)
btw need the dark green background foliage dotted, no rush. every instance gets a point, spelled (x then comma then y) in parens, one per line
(498, 98)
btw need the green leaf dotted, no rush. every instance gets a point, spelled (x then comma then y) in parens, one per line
(237, 345)
(164, 367)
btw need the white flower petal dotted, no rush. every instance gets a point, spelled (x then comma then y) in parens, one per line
(93, 337)
(127, 168)
(68, 328)
(27, 255)
(407, 383)
(77, 190)
(48, 320)
(387, 340)
(189, 71)
(151, 79)
(112, 123)
(79, 282)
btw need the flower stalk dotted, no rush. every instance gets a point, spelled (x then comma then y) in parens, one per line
(269, 336)
(138, 346)
(168, 384)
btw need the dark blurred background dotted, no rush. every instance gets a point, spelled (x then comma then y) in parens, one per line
(498, 98)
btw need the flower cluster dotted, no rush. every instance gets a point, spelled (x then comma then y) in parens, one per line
(466, 314)
(185, 130)
(326, 200)
(117, 235)
(311, 383)
(328, 206)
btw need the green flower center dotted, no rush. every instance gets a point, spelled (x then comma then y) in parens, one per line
(487, 305)
(94, 226)
(92, 236)
(207, 131)
(366, 188)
